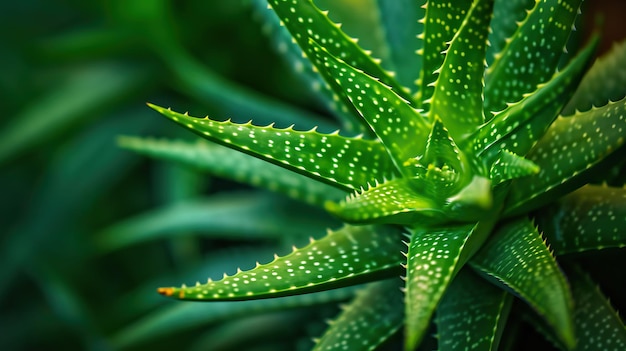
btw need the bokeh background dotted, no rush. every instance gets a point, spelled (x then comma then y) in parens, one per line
(88, 229)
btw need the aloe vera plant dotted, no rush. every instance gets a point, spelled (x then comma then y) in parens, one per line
(465, 179)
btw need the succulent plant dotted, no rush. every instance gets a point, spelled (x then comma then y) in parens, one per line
(475, 173)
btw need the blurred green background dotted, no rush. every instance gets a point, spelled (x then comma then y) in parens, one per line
(89, 230)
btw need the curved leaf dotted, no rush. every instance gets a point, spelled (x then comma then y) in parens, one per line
(435, 255)
(458, 96)
(345, 257)
(518, 127)
(598, 325)
(472, 314)
(569, 151)
(371, 318)
(397, 125)
(443, 19)
(234, 165)
(590, 218)
(294, 14)
(315, 155)
(531, 56)
(604, 82)
(517, 258)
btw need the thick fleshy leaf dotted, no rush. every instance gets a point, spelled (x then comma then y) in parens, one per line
(395, 201)
(443, 19)
(571, 149)
(510, 166)
(604, 82)
(292, 53)
(371, 318)
(228, 163)
(507, 17)
(517, 258)
(294, 14)
(435, 255)
(472, 314)
(345, 257)
(532, 55)
(521, 124)
(458, 96)
(598, 325)
(402, 21)
(590, 218)
(178, 317)
(320, 156)
(305, 22)
(399, 126)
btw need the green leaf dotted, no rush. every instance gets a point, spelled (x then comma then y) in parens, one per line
(218, 216)
(402, 23)
(571, 149)
(395, 201)
(590, 218)
(178, 317)
(598, 325)
(371, 318)
(507, 16)
(435, 255)
(472, 314)
(521, 124)
(399, 126)
(604, 82)
(234, 165)
(320, 156)
(517, 258)
(531, 56)
(458, 96)
(292, 53)
(443, 19)
(319, 28)
(510, 166)
(337, 260)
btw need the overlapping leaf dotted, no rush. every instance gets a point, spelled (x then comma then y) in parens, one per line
(395, 201)
(572, 147)
(520, 125)
(472, 314)
(307, 24)
(516, 257)
(321, 156)
(458, 96)
(532, 55)
(399, 126)
(348, 256)
(291, 52)
(370, 319)
(598, 325)
(433, 258)
(231, 164)
(507, 17)
(443, 19)
(590, 218)
(604, 82)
